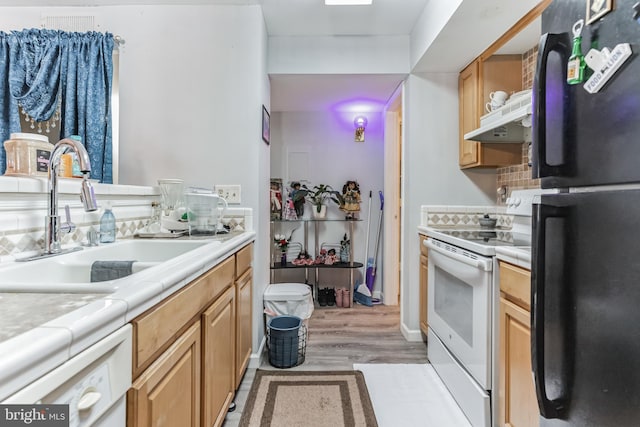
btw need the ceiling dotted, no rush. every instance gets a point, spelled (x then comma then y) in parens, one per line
(344, 92)
(313, 18)
(331, 92)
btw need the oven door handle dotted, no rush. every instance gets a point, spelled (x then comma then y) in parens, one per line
(477, 263)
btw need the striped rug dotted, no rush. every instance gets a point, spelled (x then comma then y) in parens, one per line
(311, 398)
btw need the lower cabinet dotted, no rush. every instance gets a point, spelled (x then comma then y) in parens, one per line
(244, 324)
(424, 275)
(517, 402)
(218, 379)
(190, 350)
(151, 400)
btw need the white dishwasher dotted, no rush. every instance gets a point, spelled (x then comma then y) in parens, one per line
(93, 383)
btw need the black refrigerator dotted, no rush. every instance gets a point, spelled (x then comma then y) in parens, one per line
(585, 315)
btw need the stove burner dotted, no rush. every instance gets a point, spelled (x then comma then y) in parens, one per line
(487, 235)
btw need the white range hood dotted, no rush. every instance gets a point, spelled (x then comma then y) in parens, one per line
(509, 123)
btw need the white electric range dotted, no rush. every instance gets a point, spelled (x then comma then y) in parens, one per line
(463, 294)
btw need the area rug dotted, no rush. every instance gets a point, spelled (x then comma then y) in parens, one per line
(410, 395)
(305, 399)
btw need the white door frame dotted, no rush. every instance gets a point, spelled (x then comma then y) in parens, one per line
(392, 273)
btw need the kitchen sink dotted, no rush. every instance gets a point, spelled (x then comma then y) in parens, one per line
(72, 272)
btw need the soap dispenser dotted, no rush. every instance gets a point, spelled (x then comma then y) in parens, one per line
(107, 225)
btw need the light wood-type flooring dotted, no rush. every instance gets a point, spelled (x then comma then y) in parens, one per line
(339, 337)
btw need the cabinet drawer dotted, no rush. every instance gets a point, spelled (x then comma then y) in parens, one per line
(244, 257)
(515, 282)
(155, 329)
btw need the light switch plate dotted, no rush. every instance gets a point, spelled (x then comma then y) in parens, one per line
(231, 193)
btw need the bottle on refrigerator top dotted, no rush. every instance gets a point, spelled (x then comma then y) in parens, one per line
(107, 225)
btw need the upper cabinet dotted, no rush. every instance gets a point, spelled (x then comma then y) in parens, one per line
(472, 153)
(504, 66)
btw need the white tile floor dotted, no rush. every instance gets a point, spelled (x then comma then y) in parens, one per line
(407, 395)
(410, 396)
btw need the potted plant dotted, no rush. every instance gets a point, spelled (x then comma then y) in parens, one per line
(319, 195)
(282, 242)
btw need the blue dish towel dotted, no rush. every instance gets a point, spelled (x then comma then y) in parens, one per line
(102, 271)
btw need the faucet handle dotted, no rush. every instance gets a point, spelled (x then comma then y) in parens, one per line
(92, 237)
(67, 226)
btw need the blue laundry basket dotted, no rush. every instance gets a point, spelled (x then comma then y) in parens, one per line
(286, 340)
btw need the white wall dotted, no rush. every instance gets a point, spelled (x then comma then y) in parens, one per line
(432, 20)
(339, 55)
(334, 158)
(192, 84)
(431, 173)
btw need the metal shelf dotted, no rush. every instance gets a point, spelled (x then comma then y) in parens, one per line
(351, 265)
(343, 265)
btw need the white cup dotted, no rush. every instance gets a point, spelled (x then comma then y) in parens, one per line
(498, 97)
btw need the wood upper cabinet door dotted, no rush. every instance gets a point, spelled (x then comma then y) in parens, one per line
(517, 398)
(218, 373)
(468, 92)
(244, 287)
(167, 394)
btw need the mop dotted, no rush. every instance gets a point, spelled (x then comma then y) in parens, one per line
(362, 293)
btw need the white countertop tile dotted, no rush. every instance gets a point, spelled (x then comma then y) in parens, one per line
(91, 323)
(21, 312)
(520, 256)
(28, 356)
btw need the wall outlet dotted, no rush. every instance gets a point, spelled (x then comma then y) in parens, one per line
(231, 193)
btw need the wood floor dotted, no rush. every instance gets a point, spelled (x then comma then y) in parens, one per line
(339, 337)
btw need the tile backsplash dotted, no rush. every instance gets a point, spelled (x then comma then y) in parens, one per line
(462, 216)
(529, 59)
(22, 213)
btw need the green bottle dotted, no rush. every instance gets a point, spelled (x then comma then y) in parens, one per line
(576, 65)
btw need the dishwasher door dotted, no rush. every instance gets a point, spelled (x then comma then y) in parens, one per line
(93, 383)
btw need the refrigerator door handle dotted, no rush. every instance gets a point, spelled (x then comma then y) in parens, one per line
(560, 44)
(548, 408)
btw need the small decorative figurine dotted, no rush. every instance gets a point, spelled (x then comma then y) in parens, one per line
(331, 257)
(298, 195)
(276, 199)
(351, 196)
(290, 210)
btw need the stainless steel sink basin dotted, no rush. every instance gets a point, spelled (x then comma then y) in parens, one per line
(72, 272)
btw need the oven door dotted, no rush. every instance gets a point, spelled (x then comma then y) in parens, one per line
(459, 305)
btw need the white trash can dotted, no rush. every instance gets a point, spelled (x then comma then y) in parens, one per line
(293, 299)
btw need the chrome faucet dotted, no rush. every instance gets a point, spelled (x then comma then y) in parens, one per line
(53, 228)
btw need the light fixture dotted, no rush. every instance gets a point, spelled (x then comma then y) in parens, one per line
(348, 2)
(360, 122)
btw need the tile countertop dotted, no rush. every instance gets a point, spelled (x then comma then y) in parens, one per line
(38, 332)
(517, 255)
